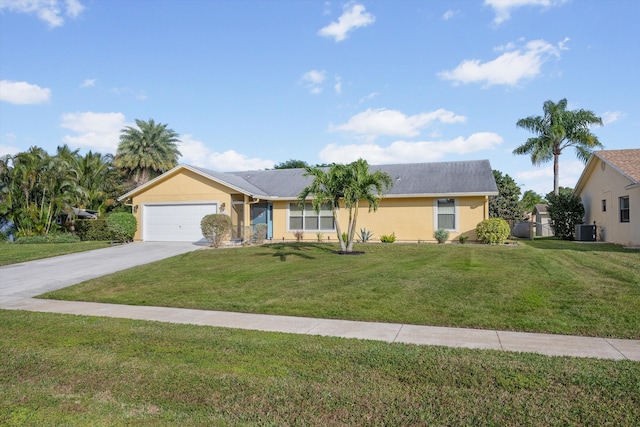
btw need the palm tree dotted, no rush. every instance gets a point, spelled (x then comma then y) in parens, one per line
(557, 130)
(147, 151)
(350, 184)
(98, 179)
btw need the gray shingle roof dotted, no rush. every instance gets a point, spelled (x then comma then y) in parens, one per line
(442, 178)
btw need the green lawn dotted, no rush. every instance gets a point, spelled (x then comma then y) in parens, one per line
(13, 253)
(541, 286)
(77, 371)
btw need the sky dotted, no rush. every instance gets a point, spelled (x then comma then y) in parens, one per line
(249, 84)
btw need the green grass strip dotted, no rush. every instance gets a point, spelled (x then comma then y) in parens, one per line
(77, 371)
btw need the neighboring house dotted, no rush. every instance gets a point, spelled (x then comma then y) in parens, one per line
(424, 197)
(610, 191)
(540, 217)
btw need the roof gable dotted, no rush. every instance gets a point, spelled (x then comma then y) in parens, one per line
(415, 179)
(626, 162)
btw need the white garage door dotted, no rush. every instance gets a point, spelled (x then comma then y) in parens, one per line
(175, 222)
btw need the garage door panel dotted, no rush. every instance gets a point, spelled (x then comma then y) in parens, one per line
(175, 222)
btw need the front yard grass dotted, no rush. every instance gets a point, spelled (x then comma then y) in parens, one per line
(76, 371)
(13, 253)
(548, 286)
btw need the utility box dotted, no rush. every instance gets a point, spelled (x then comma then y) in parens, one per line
(585, 232)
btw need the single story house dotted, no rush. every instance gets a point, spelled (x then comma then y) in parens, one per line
(610, 191)
(540, 217)
(423, 198)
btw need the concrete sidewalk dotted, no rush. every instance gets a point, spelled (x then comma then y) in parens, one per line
(19, 283)
(550, 345)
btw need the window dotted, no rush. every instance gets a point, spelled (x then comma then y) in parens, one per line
(604, 205)
(308, 220)
(446, 214)
(624, 209)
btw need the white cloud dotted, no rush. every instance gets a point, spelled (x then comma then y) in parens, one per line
(368, 97)
(95, 131)
(375, 122)
(503, 8)
(354, 16)
(609, 117)
(88, 83)
(510, 68)
(49, 11)
(410, 152)
(23, 93)
(196, 153)
(8, 147)
(450, 14)
(313, 80)
(140, 95)
(338, 85)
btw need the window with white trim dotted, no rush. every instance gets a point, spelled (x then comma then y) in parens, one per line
(307, 219)
(446, 214)
(624, 209)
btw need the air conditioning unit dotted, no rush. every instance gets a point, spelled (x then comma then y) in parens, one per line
(586, 232)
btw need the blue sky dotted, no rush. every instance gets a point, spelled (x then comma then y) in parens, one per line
(248, 84)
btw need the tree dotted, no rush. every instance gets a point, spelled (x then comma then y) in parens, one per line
(292, 164)
(557, 130)
(98, 179)
(506, 204)
(530, 199)
(565, 211)
(36, 188)
(348, 184)
(147, 151)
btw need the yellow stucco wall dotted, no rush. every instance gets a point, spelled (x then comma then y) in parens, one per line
(605, 183)
(411, 219)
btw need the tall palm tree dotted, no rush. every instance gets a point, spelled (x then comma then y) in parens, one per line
(146, 151)
(557, 130)
(350, 184)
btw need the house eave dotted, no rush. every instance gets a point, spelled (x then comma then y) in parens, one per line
(404, 196)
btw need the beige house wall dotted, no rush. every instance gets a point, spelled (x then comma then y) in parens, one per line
(410, 219)
(603, 182)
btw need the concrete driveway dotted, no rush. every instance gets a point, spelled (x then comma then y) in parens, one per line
(37, 277)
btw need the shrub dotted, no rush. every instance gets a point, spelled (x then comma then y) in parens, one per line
(493, 231)
(215, 228)
(122, 226)
(319, 236)
(49, 238)
(365, 235)
(441, 235)
(92, 229)
(345, 237)
(463, 239)
(388, 238)
(565, 211)
(260, 233)
(299, 235)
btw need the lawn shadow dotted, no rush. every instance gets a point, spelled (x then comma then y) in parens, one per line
(282, 250)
